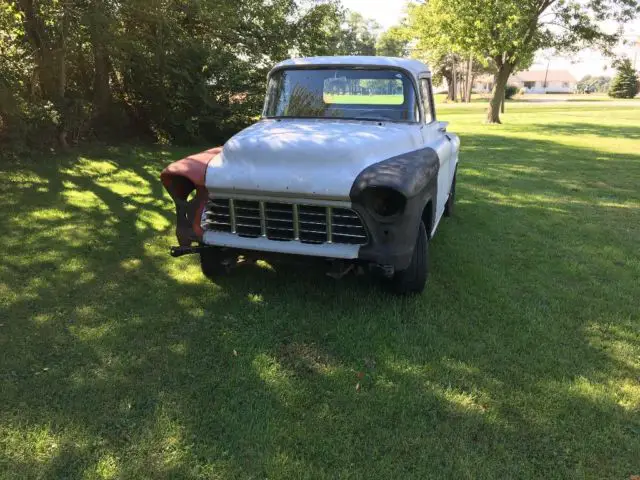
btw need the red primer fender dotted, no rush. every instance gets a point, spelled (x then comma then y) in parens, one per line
(180, 179)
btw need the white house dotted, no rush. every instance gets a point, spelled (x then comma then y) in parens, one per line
(545, 81)
(533, 81)
(483, 84)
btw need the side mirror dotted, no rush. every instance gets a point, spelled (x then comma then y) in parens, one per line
(442, 126)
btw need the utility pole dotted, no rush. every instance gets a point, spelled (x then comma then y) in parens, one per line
(546, 75)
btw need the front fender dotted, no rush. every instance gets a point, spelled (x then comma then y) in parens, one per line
(408, 173)
(180, 179)
(413, 174)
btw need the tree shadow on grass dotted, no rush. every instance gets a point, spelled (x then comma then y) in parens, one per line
(116, 358)
(583, 128)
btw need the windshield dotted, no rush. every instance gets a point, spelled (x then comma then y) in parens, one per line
(352, 93)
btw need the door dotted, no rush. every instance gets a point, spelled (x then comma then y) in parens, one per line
(434, 136)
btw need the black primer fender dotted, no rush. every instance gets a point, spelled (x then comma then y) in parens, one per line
(413, 174)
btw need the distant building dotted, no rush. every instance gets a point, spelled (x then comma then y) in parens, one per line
(543, 81)
(483, 84)
(533, 81)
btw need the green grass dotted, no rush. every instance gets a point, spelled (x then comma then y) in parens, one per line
(532, 98)
(522, 360)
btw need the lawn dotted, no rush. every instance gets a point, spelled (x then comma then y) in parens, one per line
(573, 97)
(522, 359)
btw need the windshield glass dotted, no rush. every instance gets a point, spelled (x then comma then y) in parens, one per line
(352, 93)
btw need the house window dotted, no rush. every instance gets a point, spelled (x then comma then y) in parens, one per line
(529, 84)
(565, 84)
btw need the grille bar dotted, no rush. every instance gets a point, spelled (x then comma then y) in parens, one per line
(282, 221)
(263, 220)
(232, 212)
(296, 222)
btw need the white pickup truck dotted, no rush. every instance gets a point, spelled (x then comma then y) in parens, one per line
(348, 163)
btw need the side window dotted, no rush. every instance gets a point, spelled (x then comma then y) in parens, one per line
(427, 99)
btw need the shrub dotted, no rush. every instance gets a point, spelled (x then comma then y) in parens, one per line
(625, 83)
(510, 91)
(26, 126)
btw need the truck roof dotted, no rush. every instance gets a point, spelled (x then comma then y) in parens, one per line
(414, 67)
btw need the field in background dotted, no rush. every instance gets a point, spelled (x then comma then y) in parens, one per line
(522, 360)
(441, 98)
(547, 98)
(364, 99)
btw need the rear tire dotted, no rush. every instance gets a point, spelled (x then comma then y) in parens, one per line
(414, 278)
(448, 207)
(211, 262)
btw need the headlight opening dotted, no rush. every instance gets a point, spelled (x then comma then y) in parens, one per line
(384, 202)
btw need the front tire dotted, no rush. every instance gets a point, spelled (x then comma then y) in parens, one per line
(448, 207)
(414, 278)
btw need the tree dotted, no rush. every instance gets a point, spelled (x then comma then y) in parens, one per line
(329, 29)
(394, 42)
(319, 30)
(590, 84)
(172, 70)
(359, 36)
(625, 84)
(179, 71)
(448, 61)
(509, 32)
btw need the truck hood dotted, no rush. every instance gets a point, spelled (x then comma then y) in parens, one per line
(306, 158)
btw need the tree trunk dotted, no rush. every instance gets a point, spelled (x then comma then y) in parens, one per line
(99, 38)
(101, 89)
(469, 79)
(61, 92)
(499, 84)
(35, 33)
(450, 93)
(455, 79)
(50, 59)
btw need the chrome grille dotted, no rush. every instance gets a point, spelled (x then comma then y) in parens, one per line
(284, 221)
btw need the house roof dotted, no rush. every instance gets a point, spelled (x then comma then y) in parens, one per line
(412, 66)
(540, 75)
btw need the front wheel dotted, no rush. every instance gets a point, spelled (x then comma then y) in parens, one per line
(414, 278)
(448, 207)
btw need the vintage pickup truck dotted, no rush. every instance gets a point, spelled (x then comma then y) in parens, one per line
(348, 163)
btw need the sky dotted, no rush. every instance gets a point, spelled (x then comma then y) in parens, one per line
(587, 62)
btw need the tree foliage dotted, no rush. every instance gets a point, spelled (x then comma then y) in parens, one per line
(593, 84)
(359, 36)
(170, 70)
(509, 32)
(625, 84)
(394, 42)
